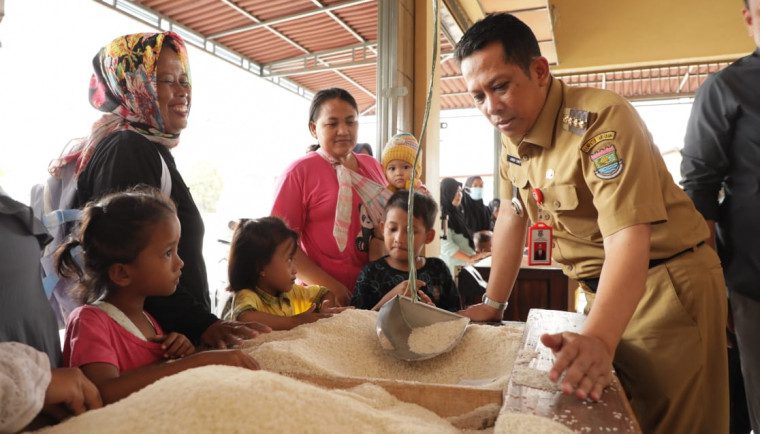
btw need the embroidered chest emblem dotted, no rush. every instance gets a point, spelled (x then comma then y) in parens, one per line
(607, 162)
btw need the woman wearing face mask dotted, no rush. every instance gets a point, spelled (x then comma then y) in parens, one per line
(458, 248)
(142, 84)
(476, 213)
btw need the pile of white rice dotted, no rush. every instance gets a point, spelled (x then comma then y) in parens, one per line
(234, 400)
(346, 345)
(223, 399)
(437, 337)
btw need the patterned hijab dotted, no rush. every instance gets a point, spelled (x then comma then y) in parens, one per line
(124, 87)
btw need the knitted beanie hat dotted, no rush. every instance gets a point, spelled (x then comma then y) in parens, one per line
(402, 146)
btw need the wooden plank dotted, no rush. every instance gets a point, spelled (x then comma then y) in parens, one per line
(443, 400)
(612, 413)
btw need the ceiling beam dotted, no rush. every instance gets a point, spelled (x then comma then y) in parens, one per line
(267, 25)
(356, 83)
(325, 55)
(339, 21)
(256, 20)
(259, 24)
(317, 69)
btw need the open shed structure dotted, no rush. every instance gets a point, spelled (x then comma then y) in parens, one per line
(381, 50)
(645, 49)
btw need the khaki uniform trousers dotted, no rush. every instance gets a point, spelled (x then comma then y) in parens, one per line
(672, 359)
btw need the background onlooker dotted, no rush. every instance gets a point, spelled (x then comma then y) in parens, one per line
(721, 157)
(477, 216)
(363, 148)
(458, 248)
(493, 207)
(482, 241)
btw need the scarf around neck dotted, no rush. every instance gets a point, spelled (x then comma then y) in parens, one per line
(373, 196)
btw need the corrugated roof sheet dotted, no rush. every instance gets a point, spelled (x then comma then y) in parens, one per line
(325, 43)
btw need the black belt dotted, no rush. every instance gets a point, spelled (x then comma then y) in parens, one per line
(593, 283)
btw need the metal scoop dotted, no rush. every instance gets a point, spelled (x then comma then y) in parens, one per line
(400, 316)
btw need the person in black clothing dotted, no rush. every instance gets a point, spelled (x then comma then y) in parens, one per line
(722, 154)
(476, 213)
(385, 278)
(130, 145)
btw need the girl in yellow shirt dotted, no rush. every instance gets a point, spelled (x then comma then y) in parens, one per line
(262, 274)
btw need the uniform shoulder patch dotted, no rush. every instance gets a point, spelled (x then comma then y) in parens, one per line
(577, 121)
(589, 144)
(607, 163)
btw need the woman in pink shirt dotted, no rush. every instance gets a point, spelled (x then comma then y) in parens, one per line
(318, 197)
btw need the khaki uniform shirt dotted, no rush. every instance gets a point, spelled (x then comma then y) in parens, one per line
(599, 172)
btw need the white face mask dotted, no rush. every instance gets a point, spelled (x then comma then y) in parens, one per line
(476, 193)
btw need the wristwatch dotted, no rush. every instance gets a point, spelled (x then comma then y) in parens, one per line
(501, 307)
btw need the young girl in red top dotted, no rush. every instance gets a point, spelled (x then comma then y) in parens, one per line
(129, 243)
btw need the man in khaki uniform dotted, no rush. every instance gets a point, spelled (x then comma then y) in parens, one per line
(620, 225)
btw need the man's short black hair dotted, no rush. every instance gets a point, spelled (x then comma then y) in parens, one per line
(516, 38)
(425, 207)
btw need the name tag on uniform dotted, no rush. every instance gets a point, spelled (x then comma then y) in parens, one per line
(540, 244)
(514, 160)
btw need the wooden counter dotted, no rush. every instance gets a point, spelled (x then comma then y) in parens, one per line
(537, 287)
(612, 413)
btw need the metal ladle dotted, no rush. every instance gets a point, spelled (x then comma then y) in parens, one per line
(400, 316)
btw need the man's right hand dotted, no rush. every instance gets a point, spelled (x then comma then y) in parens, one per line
(482, 312)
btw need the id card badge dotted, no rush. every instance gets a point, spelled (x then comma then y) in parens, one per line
(540, 244)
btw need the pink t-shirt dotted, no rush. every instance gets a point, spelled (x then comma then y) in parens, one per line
(93, 337)
(306, 198)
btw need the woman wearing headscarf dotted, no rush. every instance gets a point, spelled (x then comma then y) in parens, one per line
(142, 84)
(458, 248)
(476, 213)
(322, 196)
